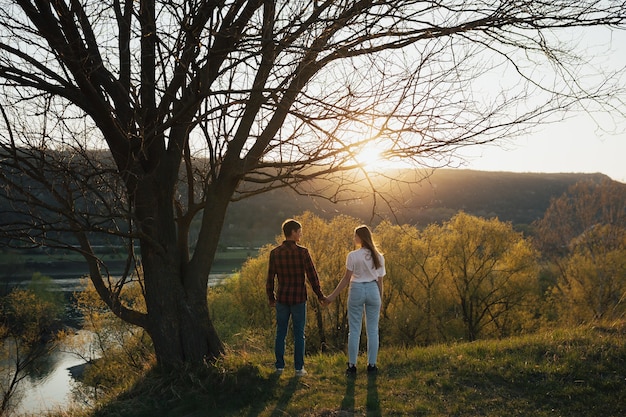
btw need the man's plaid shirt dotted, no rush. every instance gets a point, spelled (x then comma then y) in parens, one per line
(289, 263)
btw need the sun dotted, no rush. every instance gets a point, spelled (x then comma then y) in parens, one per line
(371, 158)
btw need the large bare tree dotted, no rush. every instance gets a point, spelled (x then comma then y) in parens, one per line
(133, 118)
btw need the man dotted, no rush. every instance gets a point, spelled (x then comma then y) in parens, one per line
(289, 263)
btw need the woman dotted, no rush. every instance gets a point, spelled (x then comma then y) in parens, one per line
(365, 269)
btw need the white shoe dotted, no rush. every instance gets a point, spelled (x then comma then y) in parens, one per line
(301, 372)
(279, 370)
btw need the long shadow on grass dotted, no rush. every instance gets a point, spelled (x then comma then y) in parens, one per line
(284, 399)
(194, 393)
(372, 403)
(565, 391)
(347, 404)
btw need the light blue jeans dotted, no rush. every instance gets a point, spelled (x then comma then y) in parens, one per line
(363, 296)
(297, 312)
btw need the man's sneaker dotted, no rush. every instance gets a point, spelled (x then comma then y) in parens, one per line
(351, 370)
(301, 372)
(372, 369)
(279, 370)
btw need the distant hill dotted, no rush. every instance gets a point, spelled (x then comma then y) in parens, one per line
(520, 198)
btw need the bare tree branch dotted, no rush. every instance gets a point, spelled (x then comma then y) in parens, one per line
(125, 121)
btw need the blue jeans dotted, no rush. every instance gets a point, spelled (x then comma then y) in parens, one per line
(363, 296)
(297, 312)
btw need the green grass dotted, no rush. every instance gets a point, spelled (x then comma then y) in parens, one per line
(578, 372)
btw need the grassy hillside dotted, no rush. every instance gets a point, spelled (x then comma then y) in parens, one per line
(578, 372)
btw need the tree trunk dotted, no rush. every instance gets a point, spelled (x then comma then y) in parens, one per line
(178, 320)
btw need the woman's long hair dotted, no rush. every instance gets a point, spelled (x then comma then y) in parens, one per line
(364, 233)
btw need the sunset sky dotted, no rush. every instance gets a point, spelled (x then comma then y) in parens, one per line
(574, 145)
(571, 146)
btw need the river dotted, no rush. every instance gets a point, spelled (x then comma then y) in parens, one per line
(51, 387)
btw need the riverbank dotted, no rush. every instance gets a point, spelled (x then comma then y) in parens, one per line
(50, 383)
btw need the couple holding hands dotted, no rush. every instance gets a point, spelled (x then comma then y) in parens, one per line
(290, 264)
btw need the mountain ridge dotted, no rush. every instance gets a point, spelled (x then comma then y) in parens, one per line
(519, 198)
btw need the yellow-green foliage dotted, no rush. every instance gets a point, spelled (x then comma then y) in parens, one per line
(491, 271)
(28, 317)
(239, 307)
(593, 285)
(416, 302)
(582, 237)
(470, 278)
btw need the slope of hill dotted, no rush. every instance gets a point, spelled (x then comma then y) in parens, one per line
(558, 373)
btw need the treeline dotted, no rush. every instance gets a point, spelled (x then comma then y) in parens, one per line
(467, 278)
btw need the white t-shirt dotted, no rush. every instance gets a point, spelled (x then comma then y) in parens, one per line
(362, 267)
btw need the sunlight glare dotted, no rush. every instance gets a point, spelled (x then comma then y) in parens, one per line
(370, 158)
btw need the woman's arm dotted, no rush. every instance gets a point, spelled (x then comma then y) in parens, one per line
(342, 284)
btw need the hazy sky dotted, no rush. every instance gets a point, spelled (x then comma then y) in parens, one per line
(574, 145)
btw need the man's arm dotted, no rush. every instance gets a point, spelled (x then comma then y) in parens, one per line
(311, 274)
(269, 283)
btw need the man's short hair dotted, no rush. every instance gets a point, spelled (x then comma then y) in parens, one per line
(290, 226)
